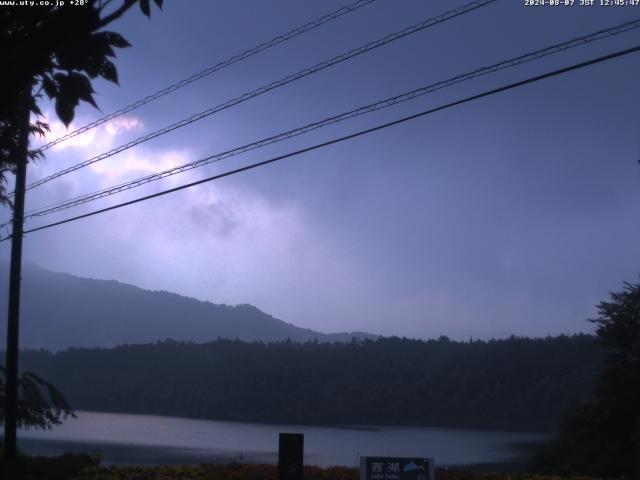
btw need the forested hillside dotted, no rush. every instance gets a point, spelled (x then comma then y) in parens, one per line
(513, 383)
(61, 310)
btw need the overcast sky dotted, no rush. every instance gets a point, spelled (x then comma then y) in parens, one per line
(514, 214)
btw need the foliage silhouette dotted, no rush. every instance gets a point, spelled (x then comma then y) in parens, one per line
(58, 51)
(602, 438)
(40, 404)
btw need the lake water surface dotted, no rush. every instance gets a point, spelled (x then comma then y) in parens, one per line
(148, 439)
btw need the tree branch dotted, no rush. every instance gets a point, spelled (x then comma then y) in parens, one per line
(104, 4)
(117, 13)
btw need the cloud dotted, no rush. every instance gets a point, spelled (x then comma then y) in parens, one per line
(57, 129)
(126, 165)
(139, 162)
(88, 145)
(122, 124)
(99, 138)
(217, 241)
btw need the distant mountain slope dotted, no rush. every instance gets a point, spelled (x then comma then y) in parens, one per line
(59, 310)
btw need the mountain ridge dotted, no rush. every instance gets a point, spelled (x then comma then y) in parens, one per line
(60, 310)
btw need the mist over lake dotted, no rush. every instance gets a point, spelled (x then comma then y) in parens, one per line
(150, 439)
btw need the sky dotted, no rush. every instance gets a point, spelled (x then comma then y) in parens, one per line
(511, 215)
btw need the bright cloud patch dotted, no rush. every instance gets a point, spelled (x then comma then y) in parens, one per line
(57, 130)
(122, 124)
(136, 163)
(94, 139)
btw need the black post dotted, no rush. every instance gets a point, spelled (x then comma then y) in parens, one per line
(290, 453)
(13, 320)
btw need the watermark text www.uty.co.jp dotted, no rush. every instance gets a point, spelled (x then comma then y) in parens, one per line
(42, 3)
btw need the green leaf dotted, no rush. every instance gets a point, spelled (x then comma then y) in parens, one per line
(144, 6)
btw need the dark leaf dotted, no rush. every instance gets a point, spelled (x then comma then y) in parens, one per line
(79, 82)
(89, 99)
(80, 86)
(64, 109)
(81, 52)
(43, 125)
(108, 51)
(144, 6)
(50, 87)
(93, 66)
(35, 154)
(71, 88)
(116, 39)
(74, 53)
(158, 3)
(108, 71)
(101, 45)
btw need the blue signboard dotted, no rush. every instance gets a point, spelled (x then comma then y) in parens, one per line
(396, 468)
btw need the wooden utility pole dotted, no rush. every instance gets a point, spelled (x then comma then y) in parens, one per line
(13, 320)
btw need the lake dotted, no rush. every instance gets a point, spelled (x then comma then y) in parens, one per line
(149, 439)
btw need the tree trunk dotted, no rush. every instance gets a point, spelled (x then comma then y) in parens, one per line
(13, 321)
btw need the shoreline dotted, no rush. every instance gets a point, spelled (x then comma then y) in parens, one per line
(155, 440)
(120, 454)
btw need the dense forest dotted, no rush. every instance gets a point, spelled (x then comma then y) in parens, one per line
(512, 383)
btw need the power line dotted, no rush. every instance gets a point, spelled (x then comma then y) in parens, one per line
(535, 55)
(266, 88)
(347, 137)
(208, 71)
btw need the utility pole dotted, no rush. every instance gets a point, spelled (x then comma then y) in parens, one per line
(13, 320)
